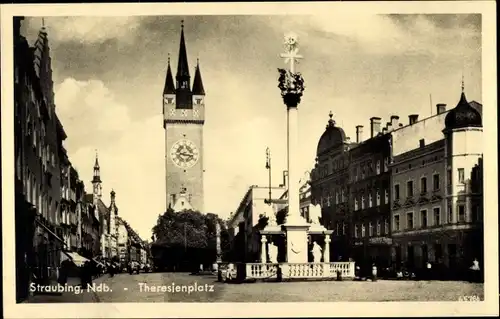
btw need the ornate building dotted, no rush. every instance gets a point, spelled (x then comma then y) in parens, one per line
(183, 120)
(437, 189)
(330, 186)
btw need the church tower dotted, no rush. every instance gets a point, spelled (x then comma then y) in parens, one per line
(96, 181)
(183, 120)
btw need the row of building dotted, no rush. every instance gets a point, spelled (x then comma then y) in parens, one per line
(409, 193)
(55, 218)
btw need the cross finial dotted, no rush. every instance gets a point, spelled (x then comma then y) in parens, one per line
(291, 47)
(330, 114)
(168, 58)
(182, 24)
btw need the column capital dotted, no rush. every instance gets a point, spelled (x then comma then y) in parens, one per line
(263, 239)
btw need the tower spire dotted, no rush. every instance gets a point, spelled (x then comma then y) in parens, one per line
(463, 86)
(198, 88)
(169, 81)
(182, 65)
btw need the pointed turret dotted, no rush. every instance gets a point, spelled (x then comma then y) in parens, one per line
(183, 91)
(182, 64)
(97, 171)
(198, 82)
(169, 81)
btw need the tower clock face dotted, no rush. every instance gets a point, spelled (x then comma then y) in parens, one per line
(184, 153)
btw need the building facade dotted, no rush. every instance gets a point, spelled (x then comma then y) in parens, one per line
(369, 200)
(437, 189)
(183, 121)
(330, 186)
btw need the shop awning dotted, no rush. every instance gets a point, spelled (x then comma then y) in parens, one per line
(50, 232)
(77, 259)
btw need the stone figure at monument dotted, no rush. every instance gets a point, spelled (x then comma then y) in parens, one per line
(317, 252)
(315, 214)
(273, 253)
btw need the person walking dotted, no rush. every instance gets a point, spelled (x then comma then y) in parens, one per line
(374, 273)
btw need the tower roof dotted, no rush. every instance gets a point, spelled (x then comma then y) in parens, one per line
(169, 81)
(182, 65)
(332, 137)
(463, 115)
(96, 164)
(198, 82)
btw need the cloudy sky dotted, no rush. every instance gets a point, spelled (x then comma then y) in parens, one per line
(109, 74)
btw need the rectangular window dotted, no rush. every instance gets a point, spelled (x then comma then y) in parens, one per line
(370, 200)
(356, 231)
(378, 167)
(396, 192)
(386, 193)
(423, 185)
(336, 198)
(370, 229)
(409, 220)
(363, 230)
(409, 189)
(396, 222)
(423, 218)
(461, 176)
(435, 182)
(378, 228)
(437, 215)
(450, 214)
(386, 227)
(355, 203)
(461, 213)
(362, 202)
(386, 164)
(343, 228)
(449, 177)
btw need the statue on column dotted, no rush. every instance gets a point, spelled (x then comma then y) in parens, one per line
(315, 214)
(317, 252)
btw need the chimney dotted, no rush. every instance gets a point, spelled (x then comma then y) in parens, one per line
(413, 118)
(394, 121)
(441, 108)
(359, 133)
(375, 125)
(388, 126)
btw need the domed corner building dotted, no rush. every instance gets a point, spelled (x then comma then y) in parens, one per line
(464, 182)
(329, 186)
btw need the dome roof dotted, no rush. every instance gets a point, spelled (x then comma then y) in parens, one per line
(463, 115)
(332, 137)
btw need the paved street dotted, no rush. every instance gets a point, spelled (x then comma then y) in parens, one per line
(126, 288)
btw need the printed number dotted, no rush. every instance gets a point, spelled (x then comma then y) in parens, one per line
(469, 298)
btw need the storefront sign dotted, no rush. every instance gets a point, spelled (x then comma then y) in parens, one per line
(380, 241)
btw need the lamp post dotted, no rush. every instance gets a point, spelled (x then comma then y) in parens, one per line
(268, 167)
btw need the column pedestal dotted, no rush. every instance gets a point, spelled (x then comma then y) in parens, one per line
(296, 243)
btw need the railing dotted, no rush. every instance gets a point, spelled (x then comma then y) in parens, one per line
(300, 270)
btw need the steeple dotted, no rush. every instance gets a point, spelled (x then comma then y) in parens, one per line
(96, 180)
(169, 81)
(198, 82)
(184, 97)
(182, 64)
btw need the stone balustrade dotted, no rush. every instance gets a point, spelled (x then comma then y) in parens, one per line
(262, 271)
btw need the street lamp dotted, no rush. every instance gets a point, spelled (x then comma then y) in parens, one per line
(268, 167)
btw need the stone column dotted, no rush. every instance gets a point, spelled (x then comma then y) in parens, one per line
(263, 254)
(326, 253)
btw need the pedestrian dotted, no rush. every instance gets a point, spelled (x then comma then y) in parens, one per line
(475, 271)
(374, 272)
(429, 270)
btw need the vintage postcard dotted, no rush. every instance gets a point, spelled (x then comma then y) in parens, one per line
(259, 159)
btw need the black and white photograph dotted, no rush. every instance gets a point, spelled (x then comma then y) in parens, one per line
(165, 158)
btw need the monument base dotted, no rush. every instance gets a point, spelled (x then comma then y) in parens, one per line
(296, 239)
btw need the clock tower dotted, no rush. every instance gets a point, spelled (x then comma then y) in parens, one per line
(183, 120)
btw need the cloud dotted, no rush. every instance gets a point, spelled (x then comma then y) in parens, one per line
(91, 30)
